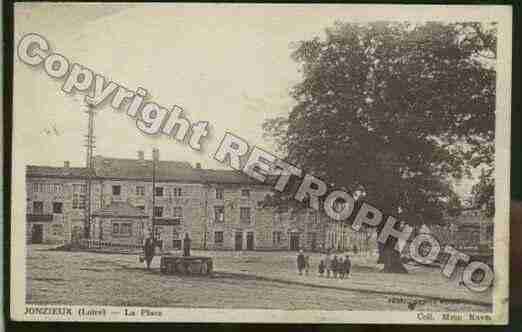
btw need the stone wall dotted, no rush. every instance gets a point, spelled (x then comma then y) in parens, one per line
(55, 190)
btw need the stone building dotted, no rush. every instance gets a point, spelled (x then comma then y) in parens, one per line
(219, 209)
(56, 198)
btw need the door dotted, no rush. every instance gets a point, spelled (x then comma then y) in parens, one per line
(250, 241)
(37, 234)
(294, 241)
(238, 241)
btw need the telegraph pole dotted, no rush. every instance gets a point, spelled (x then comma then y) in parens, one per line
(155, 157)
(90, 144)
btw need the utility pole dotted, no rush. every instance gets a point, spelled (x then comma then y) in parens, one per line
(90, 139)
(155, 157)
(90, 144)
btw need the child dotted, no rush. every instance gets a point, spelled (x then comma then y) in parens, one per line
(327, 264)
(340, 264)
(347, 266)
(322, 267)
(334, 266)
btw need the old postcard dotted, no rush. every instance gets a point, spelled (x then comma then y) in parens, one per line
(260, 163)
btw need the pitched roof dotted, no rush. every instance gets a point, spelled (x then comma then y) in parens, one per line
(62, 172)
(226, 176)
(135, 169)
(120, 209)
(166, 170)
(142, 169)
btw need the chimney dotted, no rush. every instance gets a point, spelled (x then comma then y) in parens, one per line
(67, 164)
(198, 165)
(141, 155)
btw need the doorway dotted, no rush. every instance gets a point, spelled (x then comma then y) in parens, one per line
(37, 233)
(238, 243)
(250, 241)
(294, 241)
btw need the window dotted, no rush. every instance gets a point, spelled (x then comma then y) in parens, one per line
(245, 192)
(126, 229)
(140, 229)
(57, 207)
(177, 213)
(116, 190)
(276, 238)
(158, 211)
(79, 188)
(314, 217)
(312, 238)
(47, 187)
(219, 213)
(122, 228)
(57, 230)
(218, 237)
(79, 196)
(78, 201)
(176, 192)
(159, 191)
(220, 193)
(244, 215)
(58, 188)
(140, 191)
(176, 241)
(158, 230)
(38, 207)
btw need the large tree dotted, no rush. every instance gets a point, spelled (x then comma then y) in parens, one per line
(394, 111)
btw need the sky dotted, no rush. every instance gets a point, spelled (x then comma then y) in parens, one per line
(229, 65)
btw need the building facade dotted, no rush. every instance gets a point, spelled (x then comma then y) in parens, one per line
(219, 209)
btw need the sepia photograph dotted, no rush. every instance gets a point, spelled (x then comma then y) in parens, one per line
(304, 163)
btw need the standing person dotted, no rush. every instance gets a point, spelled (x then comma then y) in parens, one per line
(340, 267)
(333, 266)
(307, 264)
(148, 251)
(327, 263)
(347, 265)
(322, 267)
(300, 262)
(186, 245)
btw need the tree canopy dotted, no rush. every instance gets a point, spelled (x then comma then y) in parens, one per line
(394, 111)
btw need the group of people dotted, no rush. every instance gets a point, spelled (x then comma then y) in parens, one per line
(336, 266)
(149, 249)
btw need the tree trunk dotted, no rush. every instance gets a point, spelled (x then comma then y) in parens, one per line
(390, 258)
